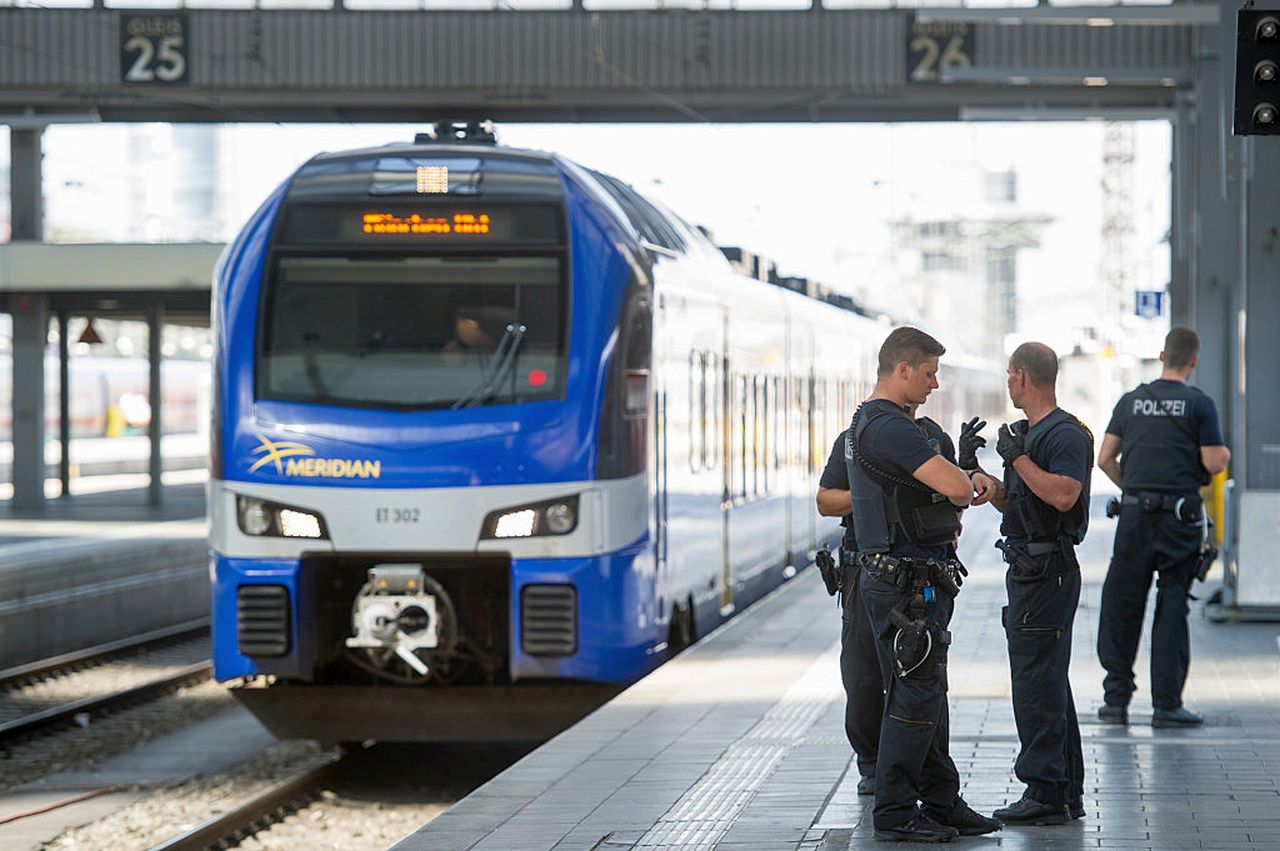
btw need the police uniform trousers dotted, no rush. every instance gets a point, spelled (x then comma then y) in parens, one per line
(913, 762)
(1038, 623)
(1148, 543)
(860, 674)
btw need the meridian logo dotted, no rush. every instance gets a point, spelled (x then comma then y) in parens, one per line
(276, 452)
(296, 459)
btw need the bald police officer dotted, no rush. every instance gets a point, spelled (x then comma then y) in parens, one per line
(1044, 498)
(904, 499)
(859, 667)
(1162, 444)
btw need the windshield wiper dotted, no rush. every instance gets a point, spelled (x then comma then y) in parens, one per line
(497, 368)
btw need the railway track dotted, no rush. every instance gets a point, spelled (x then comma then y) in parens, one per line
(76, 687)
(258, 812)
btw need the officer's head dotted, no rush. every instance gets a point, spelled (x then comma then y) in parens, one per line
(909, 364)
(1033, 371)
(1181, 349)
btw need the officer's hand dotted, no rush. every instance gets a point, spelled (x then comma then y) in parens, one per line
(984, 487)
(961, 573)
(971, 442)
(1012, 443)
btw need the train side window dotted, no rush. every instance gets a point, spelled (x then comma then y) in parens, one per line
(778, 430)
(697, 410)
(648, 221)
(766, 432)
(742, 421)
(709, 418)
(719, 447)
(757, 436)
(820, 410)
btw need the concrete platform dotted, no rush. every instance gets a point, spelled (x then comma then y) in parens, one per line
(92, 457)
(739, 743)
(97, 567)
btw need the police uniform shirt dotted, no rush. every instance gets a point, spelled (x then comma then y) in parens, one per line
(1064, 451)
(835, 476)
(1161, 431)
(898, 445)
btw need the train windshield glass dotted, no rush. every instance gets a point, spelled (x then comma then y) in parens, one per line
(414, 332)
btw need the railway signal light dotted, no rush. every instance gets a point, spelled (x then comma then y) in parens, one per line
(1257, 107)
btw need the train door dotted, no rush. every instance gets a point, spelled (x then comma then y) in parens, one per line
(726, 438)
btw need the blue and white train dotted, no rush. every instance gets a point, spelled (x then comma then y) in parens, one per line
(495, 435)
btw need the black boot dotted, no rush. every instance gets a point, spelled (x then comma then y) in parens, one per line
(1180, 717)
(1030, 811)
(1076, 808)
(919, 829)
(964, 819)
(866, 785)
(1109, 714)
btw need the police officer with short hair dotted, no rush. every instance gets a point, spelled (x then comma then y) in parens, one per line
(1045, 502)
(1162, 444)
(859, 667)
(904, 500)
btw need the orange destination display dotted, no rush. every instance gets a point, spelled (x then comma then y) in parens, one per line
(397, 225)
(415, 223)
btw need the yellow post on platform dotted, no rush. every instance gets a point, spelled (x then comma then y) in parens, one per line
(1214, 495)
(115, 422)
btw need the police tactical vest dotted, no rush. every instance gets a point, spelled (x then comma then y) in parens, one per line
(1160, 450)
(888, 507)
(1027, 516)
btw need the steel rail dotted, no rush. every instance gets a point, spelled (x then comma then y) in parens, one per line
(257, 813)
(33, 670)
(97, 704)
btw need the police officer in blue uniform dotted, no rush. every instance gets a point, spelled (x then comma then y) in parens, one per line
(1162, 444)
(1045, 501)
(859, 667)
(904, 501)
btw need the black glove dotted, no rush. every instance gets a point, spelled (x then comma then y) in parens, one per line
(1012, 442)
(961, 573)
(971, 442)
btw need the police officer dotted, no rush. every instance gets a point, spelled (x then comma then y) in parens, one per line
(1169, 444)
(859, 667)
(904, 497)
(1045, 501)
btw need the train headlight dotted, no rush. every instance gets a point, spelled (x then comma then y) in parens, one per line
(539, 519)
(299, 524)
(255, 518)
(515, 524)
(260, 518)
(560, 517)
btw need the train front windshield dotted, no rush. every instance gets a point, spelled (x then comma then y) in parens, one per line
(392, 323)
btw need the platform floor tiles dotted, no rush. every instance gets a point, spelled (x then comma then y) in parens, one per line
(739, 744)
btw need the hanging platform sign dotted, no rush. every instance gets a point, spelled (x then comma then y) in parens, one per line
(153, 49)
(937, 46)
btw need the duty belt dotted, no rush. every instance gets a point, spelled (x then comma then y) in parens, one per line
(1042, 548)
(901, 571)
(1020, 554)
(883, 564)
(1152, 501)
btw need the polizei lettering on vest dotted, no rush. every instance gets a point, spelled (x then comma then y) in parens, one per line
(1160, 408)
(333, 468)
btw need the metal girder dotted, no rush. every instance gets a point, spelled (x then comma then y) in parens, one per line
(107, 267)
(661, 65)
